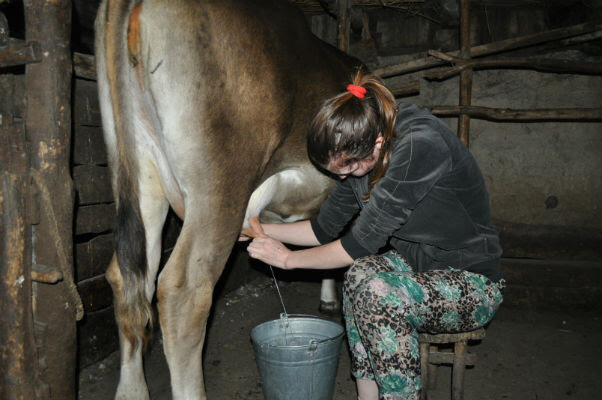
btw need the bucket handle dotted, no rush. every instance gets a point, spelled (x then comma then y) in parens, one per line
(313, 343)
(285, 316)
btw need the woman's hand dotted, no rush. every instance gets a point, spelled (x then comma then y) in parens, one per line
(263, 247)
(254, 230)
(270, 251)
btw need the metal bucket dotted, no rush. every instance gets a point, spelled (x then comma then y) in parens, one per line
(298, 357)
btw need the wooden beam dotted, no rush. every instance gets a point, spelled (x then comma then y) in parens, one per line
(93, 256)
(98, 336)
(84, 66)
(18, 355)
(492, 48)
(320, 6)
(48, 126)
(45, 274)
(506, 114)
(19, 52)
(96, 293)
(93, 184)
(466, 74)
(542, 65)
(344, 13)
(96, 218)
(404, 88)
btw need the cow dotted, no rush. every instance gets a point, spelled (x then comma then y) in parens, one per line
(205, 106)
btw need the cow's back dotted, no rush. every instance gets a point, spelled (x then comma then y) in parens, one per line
(251, 65)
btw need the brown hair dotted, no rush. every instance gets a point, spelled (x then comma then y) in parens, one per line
(348, 126)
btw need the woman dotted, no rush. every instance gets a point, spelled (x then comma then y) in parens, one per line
(423, 252)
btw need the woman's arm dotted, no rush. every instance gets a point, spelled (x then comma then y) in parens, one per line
(273, 252)
(297, 233)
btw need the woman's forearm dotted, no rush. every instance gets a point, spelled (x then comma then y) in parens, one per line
(297, 233)
(328, 256)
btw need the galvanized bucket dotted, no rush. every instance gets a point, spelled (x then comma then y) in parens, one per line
(298, 357)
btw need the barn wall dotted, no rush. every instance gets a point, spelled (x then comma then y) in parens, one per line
(94, 213)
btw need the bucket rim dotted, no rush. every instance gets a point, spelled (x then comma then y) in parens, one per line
(312, 343)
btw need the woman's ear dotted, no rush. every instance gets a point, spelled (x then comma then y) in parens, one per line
(379, 141)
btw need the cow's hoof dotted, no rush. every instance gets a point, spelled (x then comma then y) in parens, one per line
(330, 307)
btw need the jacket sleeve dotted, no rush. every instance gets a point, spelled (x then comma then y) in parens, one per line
(418, 161)
(335, 213)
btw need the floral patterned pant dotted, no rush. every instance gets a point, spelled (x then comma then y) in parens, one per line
(386, 304)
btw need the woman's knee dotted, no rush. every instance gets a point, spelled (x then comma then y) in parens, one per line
(376, 294)
(361, 269)
(356, 273)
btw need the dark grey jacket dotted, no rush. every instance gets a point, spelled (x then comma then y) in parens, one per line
(431, 205)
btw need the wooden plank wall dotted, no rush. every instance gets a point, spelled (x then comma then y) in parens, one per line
(94, 212)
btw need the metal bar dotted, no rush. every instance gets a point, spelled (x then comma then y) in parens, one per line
(492, 48)
(48, 125)
(510, 115)
(466, 74)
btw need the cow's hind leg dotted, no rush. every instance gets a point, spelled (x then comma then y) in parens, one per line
(329, 299)
(132, 275)
(184, 294)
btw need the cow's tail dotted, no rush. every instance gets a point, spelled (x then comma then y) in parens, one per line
(132, 307)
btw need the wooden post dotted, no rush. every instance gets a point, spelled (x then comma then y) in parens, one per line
(344, 12)
(48, 126)
(465, 75)
(458, 370)
(17, 349)
(432, 373)
(424, 370)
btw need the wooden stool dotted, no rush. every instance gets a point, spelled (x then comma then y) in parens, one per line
(431, 357)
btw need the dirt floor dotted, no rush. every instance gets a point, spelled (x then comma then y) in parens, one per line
(527, 354)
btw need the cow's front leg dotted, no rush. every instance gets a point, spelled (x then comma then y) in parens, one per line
(184, 292)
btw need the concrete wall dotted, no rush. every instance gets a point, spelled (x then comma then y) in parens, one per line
(538, 173)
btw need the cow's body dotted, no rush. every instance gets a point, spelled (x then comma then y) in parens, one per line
(205, 109)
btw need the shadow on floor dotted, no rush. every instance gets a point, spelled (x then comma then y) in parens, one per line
(527, 354)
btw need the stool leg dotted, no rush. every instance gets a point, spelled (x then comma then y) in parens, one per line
(424, 369)
(432, 375)
(458, 371)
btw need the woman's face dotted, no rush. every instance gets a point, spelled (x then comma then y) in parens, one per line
(356, 168)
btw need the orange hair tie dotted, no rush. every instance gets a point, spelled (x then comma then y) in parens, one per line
(357, 91)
